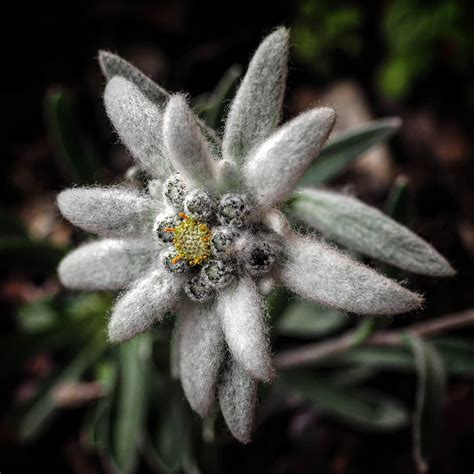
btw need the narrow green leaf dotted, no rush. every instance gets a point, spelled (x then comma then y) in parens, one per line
(71, 144)
(431, 392)
(346, 147)
(220, 99)
(457, 354)
(359, 407)
(309, 320)
(132, 400)
(43, 406)
(396, 205)
(365, 229)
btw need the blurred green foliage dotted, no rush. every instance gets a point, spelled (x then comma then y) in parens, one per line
(416, 39)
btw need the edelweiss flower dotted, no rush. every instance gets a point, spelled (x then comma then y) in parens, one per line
(206, 239)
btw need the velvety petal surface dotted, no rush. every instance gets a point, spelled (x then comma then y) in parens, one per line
(237, 397)
(241, 311)
(256, 108)
(201, 352)
(107, 264)
(109, 212)
(138, 122)
(323, 274)
(273, 170)
(146, 302)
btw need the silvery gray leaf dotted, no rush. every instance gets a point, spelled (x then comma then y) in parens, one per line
(201, 352)
(107, 264)
(237, 398)
(187, 147)
(138, 122)
(325, 275)
(367, 230)
(109, 212)
(256, 109)
(275, 167)
(113, 65)
(146, 302)
(240, 308)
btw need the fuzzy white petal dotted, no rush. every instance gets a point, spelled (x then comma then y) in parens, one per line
(107, 264)
(201, 352)
(237, 398)
(367, 230)
(323, 274)
(138, 122)
(109, 212)
(275, 167)
(143, 304)
(113, 65)
(187, 147)
(241, 312)
(256, 109)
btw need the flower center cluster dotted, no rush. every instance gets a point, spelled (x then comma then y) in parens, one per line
(192, 240)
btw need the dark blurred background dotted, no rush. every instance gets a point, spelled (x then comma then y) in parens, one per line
(368, 59)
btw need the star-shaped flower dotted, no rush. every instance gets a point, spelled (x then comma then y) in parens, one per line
(206, 240)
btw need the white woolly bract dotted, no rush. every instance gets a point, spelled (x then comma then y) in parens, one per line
(275, 167)
(367, 230)
(256, 108)
(237, 393)
(107, 264)
(240, 309)
(138, 122)
(144, 303)
(201, 352)
(325, 275)
(113, 65)
(109, 212)
(186, 145)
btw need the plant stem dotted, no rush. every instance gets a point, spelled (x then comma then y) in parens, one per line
(318, 351)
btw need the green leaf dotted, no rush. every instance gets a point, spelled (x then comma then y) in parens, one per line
(43, 406)
(220, 99)
(33, 256)
(361, 408)
(38, 316)
(365, 229)
(345, 148)
(309, 320)
(396, 205)
(431, 393)
(132, 400)
(71, 144)
(458, 357)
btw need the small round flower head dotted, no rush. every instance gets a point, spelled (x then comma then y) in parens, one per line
(219, 273)
(200, 204)
(259, 258)
(198, 289)
(163, 228)
(174, 264)
(223, 240)
(233, 210)
(175, 191)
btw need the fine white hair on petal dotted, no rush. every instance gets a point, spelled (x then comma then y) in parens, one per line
(138, 122)
(107, 264)
(186, 145)
(241, 311)
(275, 167)
(237, 394)
(201, 352)
(109, 212)
(113, 65)
(142, 304)
(323, 274)
(256, 108)
(365, 229)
